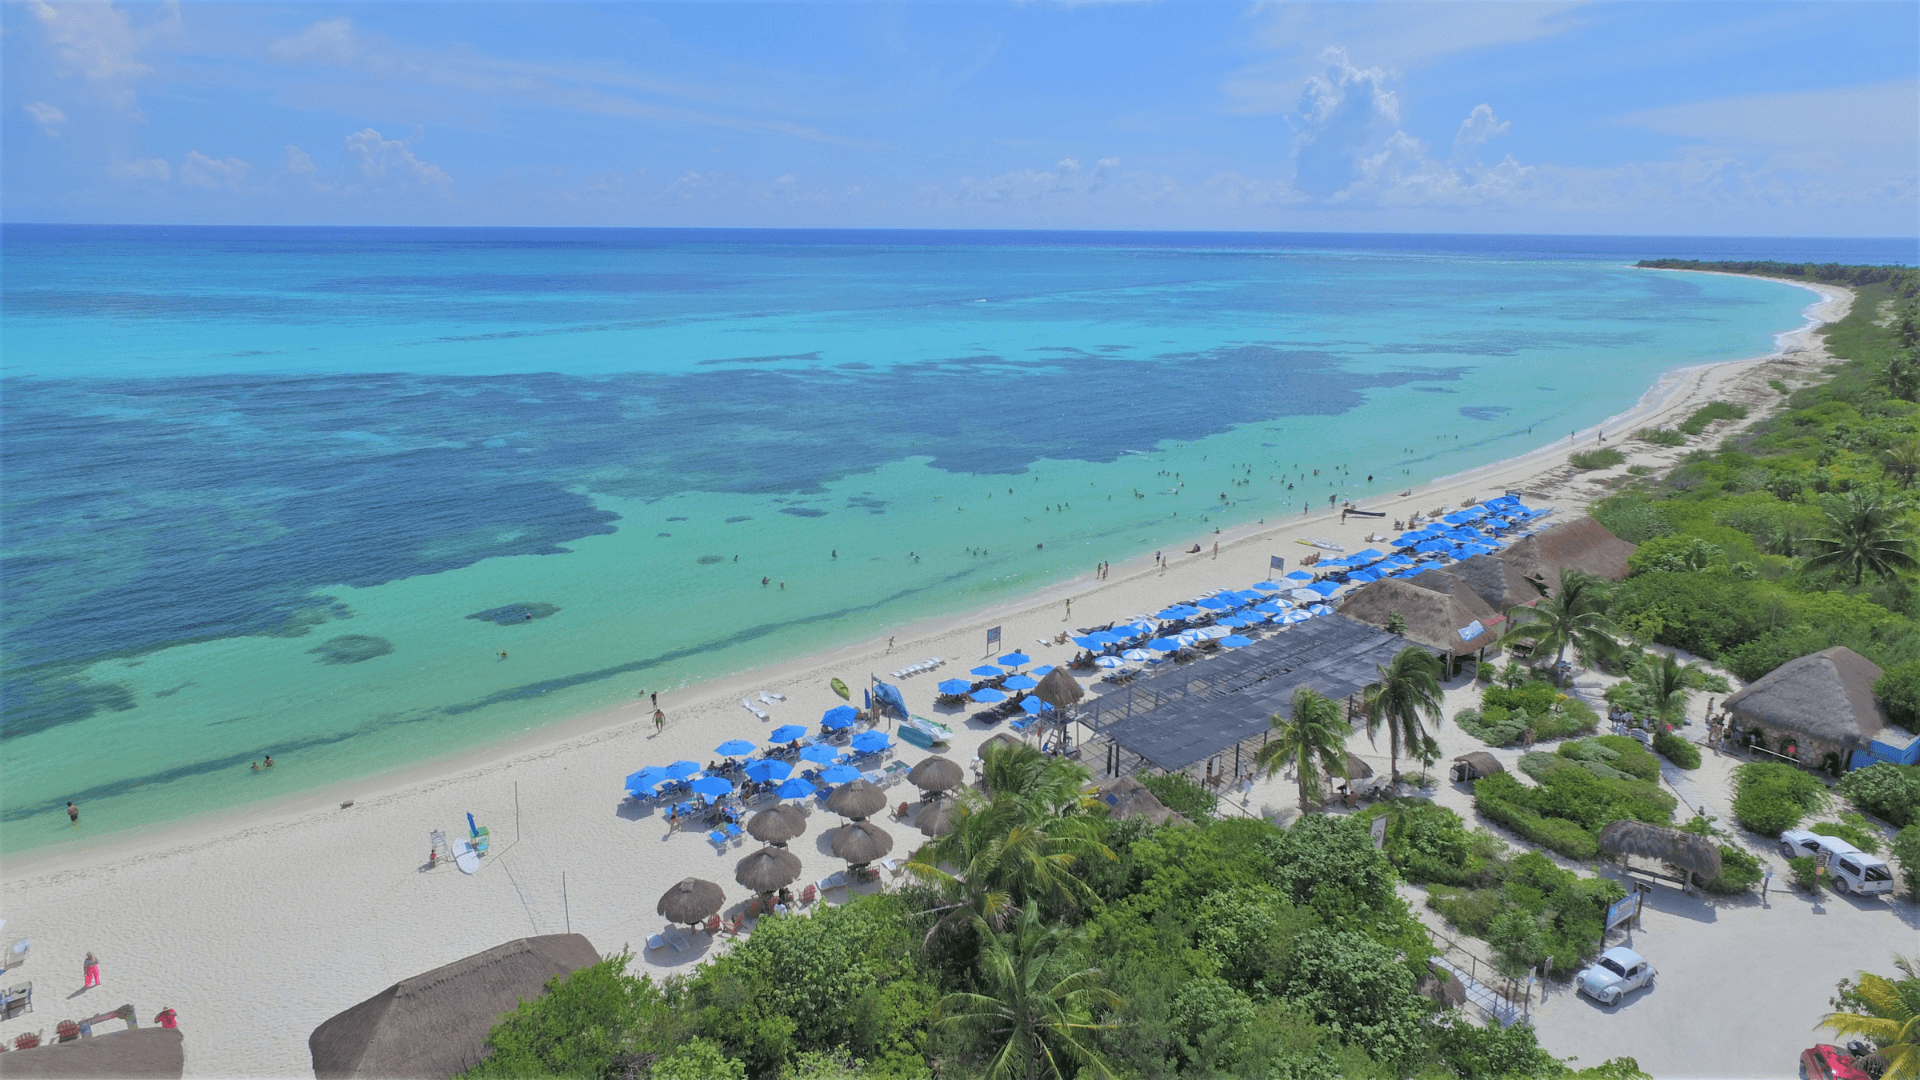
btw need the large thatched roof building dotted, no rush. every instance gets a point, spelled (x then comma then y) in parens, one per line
(434, 1025)
(1435, 615)
(150, 1053)
(1821, 703)
(1580, 544)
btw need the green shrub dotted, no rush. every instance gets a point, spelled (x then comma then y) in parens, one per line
(1885, 790)
(1906, 849)
(1178, 792)
(1898, 689)
(1431, 844)
(1707, 414)
(1623, 754)
(1604, 458)
(1494, 726)
(1575, 717)
(1660, 436)
(1739, 871)
(1538, 913)
(1677, 750)
(1495, 796)
(1772, 797)
(1805, 873)
(1864, 839)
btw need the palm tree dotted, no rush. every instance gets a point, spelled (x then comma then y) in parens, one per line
(1575, 616)
(1902, 459)
(1034, 1005)
(1863, 534)
(1316, 731)
(1901, 376)
(1408, 689)
(1667, 683)
(1891, 1020)
(1014, 845)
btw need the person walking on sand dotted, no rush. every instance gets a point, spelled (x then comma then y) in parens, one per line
(1069, 607)
(73, 813)
(659, 721)
(890, 638)
(90, 968)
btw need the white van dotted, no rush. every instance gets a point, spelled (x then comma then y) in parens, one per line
(1849, 868)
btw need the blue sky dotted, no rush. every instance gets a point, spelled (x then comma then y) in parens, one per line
(1672, 117)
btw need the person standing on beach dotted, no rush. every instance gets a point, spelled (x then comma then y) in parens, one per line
(1069, 607)
(90, 968)
(659, 721)
(73, 813)
(655, 698)
(890, 642)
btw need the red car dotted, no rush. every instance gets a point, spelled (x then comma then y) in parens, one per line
(1828, 1062)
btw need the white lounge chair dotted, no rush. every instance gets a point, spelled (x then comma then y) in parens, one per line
(833, 880)
(766, 698)
(749, 706)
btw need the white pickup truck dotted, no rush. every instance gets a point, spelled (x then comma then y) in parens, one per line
(1848, 868)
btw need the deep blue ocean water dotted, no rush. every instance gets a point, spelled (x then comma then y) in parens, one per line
(291, 490)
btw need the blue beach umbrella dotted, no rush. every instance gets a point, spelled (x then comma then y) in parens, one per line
(1363, 576)
(1234, 641)
(987, 671)
(1033, 706)
(1019, 682)
(712, 785)
(734, 748)
(1092, 641)
(840, 774)
(1235, 621)
(688, 807)
(839, 717)
(1136, 655)
(1292, 617)
(819, 755)
(785, 733)
(1271, 607)
(646, 779)
(794, 789)
(1161, 644)
(680, 770)
(1320, 609)
(1040, 672)
(1110, 662)
(987, 695)
(954, 686)
(1215, 603)
(1324, 588)
(870, 742)
(1299, 575)
(767, 769)
(1015, 659)
(1267, 586)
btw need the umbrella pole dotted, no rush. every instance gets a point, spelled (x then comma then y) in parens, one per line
(564, 906)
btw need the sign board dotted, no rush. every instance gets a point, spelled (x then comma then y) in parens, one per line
(993, 637)
(1472, 630)
(1820, 863)
(1275, 562)
(1622, 910)
(1380, 831)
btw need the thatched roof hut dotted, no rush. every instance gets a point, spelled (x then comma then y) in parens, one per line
(1127, 797)
(936, 818)
(1357, 769)
(861, 842)
(1059, 689)
(768, 869)
(936, 774)
(690, 901)
(1500, 581)
(777, 824)
(1002, 739)
(151, 1053)
(1824, 698)
(435, 1025)
(1476, 765)
(857, 799)
(1682, 850)
(1580, 544)
(1435, 606)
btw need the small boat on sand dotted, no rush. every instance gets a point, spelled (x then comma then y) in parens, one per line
(925, 733)
(1324, 545)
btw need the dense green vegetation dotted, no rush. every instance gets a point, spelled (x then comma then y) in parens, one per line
(1677, 750)
(1739, 871)
(1697, 422)
(1523, 699)
(1771, 797)
(1796, 534)
(1605, 457)
(1661, 436)
(1887, 791)
(1899, 277)
(1585, 786)
(1087, 947)
(1852, 828)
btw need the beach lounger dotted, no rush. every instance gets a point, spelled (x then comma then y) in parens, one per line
(750, 707)
(766, 698)
(18, 954)
(833, 881)
(18, 1000)
(894, 866)
(656, 942)
(732, 830)
(809, 894)
(718, 839)
(713, 924)
(675, 938)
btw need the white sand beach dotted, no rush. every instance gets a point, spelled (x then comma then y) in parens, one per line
(257, 925)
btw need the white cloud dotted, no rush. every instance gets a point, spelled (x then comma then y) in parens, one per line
(1344, 111)
(142, 169)
(1065, 180)
(297, 161)
(1879, 120)
(331, 41)
(45, 115)
(101, 42)
(1479, 126)
(199, 170)
(381, 158)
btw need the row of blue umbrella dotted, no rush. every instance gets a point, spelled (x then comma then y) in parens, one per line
(765, 770)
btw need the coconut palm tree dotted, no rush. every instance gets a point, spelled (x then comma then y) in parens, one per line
(1407, 690)
(1035, 1006)
(1014, 845)
(1864, 535)
(1315, 732)
(1891, 1020)
(1575, 616)
(1902, 459)
(1666, 682)
(1901, 376)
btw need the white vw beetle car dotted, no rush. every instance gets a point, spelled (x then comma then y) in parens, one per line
(1618, 970)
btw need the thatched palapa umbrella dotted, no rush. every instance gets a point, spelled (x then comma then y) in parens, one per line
(777, 824)
(1002, 739)
(1357, 769)
(768, 869)
(1059, 689)
(1127, 797)
(857, 799)
(861, 842)
(936, 774)
(1683, 851)
(691, 901)
(936, 818)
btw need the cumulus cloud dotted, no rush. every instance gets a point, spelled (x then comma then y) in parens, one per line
(47, 116)
(330, 41)
(1479, 126)
(142, 169)
(381, 158)
(1066, 179)
(1344, 111)
(297, 161)
(102, 43)
(199, 170)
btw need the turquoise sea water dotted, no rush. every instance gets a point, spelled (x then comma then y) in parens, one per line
(294, 490)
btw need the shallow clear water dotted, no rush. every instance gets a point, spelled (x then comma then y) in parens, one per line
(294, 490)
